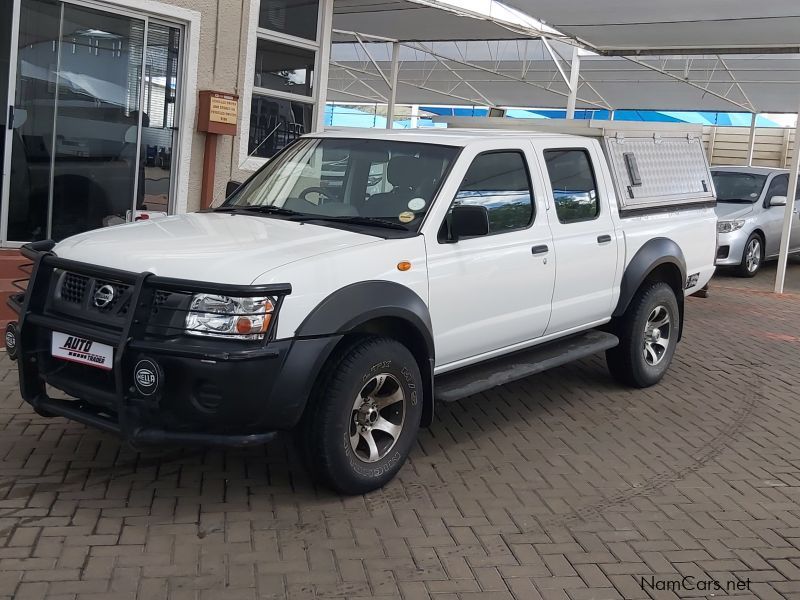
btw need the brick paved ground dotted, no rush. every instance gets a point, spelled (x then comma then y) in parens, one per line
(563, 486)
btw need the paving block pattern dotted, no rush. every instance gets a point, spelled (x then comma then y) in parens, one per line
(564, 486)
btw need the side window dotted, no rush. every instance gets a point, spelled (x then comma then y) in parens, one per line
(499, 181)
(574, 186)
(778, 187)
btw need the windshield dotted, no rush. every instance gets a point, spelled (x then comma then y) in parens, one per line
(736, 186)
(363, 181)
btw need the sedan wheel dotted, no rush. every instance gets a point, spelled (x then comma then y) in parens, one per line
(752, 257)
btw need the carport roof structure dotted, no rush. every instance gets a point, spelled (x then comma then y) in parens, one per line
(679, 55)
(674, 26)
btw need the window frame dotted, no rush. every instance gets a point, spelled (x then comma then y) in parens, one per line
(442, 239)
(249, 161)
(586, 151)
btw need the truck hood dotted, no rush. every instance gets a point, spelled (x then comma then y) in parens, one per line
(218, 247)
(732, 210)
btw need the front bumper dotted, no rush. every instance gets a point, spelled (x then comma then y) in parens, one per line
(208, 391)
(730, 247)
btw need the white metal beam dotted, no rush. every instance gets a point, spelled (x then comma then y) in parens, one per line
(372, 60)
(786, 232)
(325, 40)
(575, 69)
(751, 143)
(393, 85)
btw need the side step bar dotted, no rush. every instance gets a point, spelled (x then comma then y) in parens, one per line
(505, 369)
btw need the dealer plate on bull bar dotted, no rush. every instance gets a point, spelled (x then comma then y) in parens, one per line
(83, 351)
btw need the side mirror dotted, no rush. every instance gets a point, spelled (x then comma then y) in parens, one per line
(231, 187)
(468, 220)
(777, 201)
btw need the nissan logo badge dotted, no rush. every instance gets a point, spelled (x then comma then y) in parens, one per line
(103, 296)
(146, 377)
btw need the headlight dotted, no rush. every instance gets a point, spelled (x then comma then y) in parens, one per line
(223, 316)
(728, 226)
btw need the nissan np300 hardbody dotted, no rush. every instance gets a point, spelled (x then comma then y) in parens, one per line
(360, 277)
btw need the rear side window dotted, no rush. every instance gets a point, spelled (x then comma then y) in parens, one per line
(499, 181)
(573, 183)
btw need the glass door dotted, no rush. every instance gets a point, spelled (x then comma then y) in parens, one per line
(159, 119)
(95, 113)
(6, 25)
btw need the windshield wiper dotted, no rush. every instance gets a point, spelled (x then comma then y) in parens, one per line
(265, 209)
(351, 219)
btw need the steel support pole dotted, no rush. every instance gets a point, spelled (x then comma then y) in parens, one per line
(574, 72)
(786, 231)
(393, 85)
(751, 144)
(324, 59)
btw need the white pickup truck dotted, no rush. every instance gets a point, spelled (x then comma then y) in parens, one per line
(362, 276)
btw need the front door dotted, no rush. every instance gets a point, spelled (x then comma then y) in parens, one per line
(95, 109)
(493, 291)
(583, 235)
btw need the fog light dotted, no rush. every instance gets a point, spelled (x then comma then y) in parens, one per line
(11, 340)
(147, 377)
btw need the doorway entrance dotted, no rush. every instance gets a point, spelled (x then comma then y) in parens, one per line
(91, 123)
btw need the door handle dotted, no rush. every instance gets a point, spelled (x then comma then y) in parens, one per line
(603, 239)
(541, 249)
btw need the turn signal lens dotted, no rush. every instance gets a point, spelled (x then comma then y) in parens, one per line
(404, 265)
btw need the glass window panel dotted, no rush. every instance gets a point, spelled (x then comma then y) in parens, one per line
(275, 122)
(97, 120)
(159, 130)
(574, 187)
(5, 50)
(735, 186)
(294, 17)
(499, 181)
(34, 104)
(284, 68)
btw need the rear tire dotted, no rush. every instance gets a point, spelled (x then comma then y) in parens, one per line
(648, 335)
(752, 257)
(364, 416)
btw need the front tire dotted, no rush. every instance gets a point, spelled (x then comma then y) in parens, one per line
(752, 256)
(364, 416)
(648, 334)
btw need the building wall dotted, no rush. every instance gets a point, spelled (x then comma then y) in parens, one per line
(220, 67)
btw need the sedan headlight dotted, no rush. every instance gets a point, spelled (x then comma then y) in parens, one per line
(728, 226)
(226, 317)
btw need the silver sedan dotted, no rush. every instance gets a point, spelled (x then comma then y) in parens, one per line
(751, 203)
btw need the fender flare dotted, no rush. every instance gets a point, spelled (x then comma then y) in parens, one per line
(654, 253)
(354, 305)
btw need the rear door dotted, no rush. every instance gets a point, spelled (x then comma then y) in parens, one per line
(584, 237)
(493, 291)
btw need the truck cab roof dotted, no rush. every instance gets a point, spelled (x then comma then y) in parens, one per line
(449, 137)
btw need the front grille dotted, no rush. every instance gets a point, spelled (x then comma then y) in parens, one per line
(73, 288)
(103, 301)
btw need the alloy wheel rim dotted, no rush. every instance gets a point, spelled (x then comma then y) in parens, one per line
(377, 417)
(753, 257)
(657, 334)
